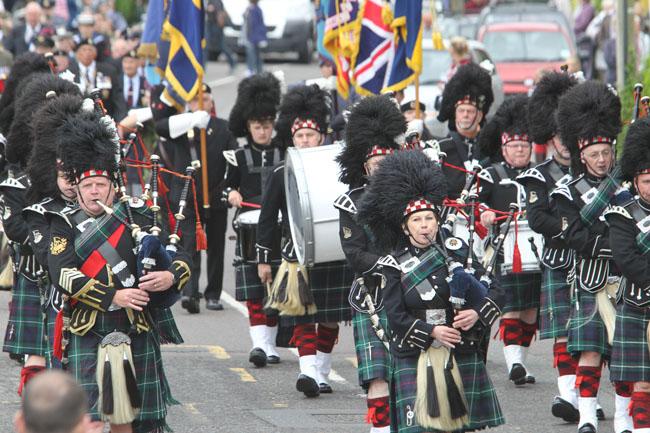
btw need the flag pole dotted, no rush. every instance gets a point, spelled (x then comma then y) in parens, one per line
(204, 156)
(417, 96)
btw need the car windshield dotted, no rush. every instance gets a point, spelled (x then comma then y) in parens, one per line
(435, 65)
(526, 46)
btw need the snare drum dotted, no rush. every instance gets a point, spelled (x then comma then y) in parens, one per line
(311, 181)
(246, 226)
(460, 230)
(529, 262)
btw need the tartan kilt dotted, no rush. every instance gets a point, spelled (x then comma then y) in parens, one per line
(330, 284)
(586, 328)
(247, 283)
(25, 334)
(521, 291)
(147, 360)
(630, 357)
(373, 359)
(555, 304)
(483, 406)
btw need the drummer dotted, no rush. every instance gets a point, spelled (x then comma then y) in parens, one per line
(506, 136)
(557, 257)
(366, 146)
(251, 121)
(305, 297)
(466, 101)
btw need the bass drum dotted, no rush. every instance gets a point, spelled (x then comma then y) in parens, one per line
(311, 182)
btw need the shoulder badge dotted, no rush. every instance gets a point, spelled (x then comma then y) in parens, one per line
(58, 245)
(453, 244)
(231, 157)
(532, 197)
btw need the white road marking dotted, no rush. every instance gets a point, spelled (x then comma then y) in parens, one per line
(228, 299)
(222, 81)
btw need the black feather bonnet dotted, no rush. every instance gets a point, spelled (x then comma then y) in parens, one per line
(258, 97)
(470, 84)
(306, 106)
(509, 123)
(543, 104)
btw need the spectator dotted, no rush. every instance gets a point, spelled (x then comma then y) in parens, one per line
(254, 31)
(459, 51)
(62, 60)
(117, 20)
(217, 18)
(65, 43)
(584, 13)
(21, 37)
(602, 30)
(54, 402)
(86, 27)
(135, 85)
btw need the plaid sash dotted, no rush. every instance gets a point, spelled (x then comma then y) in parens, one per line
(592, 210)
(429, 263)
(643, 242)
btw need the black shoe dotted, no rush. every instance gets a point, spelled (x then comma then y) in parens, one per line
(600, 414)
(530, 378)
(191, 304)
(518, 374)
(565, 410)
(325, 388)
(587, 428)
(257, 357)
(307, 386)
(273, 359)
(20, 359)
(214, 305)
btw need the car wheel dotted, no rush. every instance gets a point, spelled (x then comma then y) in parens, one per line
(305, 52)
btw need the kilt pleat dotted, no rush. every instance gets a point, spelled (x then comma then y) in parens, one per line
(521, 291)
(147, 360)
(483, 405)
(25, 333)
(586, 329)
(555, 304)
(373, 359)
(330, 285)
(630, 356)
(247, 283)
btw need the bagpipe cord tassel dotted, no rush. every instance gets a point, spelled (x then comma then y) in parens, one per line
(446, 392)
(516, 255)
(201, 238)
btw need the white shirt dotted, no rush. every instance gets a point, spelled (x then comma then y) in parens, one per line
(87, 77)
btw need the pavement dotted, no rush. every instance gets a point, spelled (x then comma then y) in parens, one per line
(220, 391)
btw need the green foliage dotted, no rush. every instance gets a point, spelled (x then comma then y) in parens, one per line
(627, 94)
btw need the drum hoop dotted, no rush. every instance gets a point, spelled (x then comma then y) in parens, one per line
(293, 163)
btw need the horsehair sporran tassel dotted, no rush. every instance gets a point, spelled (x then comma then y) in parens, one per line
(119, 396)
(432, 363)
(454, 393)
(290, 293)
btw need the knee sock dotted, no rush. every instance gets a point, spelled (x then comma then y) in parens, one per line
(378, 412)
(271, 320)
(256, 315)
(304, 337)
(624, 389)
(510, 332)
(27, 374)
(326, 338)
(528, 331)
(588, 380)
(563, 361)
(640, 410)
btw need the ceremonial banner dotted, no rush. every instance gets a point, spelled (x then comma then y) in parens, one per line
(321, 15)
(374, 54)
(185, 26)
(156, 13)
(407, 27)
(340, 39)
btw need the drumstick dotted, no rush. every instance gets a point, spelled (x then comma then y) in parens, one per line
(251, 205)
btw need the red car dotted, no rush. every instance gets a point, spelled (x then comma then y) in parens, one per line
(521, 49)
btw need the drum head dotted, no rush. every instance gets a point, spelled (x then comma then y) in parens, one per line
(249, 218)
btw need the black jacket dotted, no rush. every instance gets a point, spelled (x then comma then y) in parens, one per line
(114, 97)
(457, 149)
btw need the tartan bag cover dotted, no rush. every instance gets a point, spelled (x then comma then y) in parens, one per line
(591, 211)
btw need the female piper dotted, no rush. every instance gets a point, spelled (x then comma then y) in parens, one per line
(438, 382)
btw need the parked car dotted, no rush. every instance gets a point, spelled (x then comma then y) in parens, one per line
(459, 25)
(289, 26)
(435, 65)
(521, 49)
(522, 12)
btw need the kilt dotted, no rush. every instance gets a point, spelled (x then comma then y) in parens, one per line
(521, 291)
(555, 304)
(247, 283)
(630, 357)
(166, 326)
(587, 331)
(330, 285)
(51, 361)
(373, 359)
(25, 334)
(147, 360)
(482, 403)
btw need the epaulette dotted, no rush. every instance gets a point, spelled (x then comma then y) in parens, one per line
(12, 183)
(344, 202)
(620, 210)
(486, 175)
(389, 261)
(533, 174)
(231, 157)
(67, 214)
(37, 207)
(563, 191)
